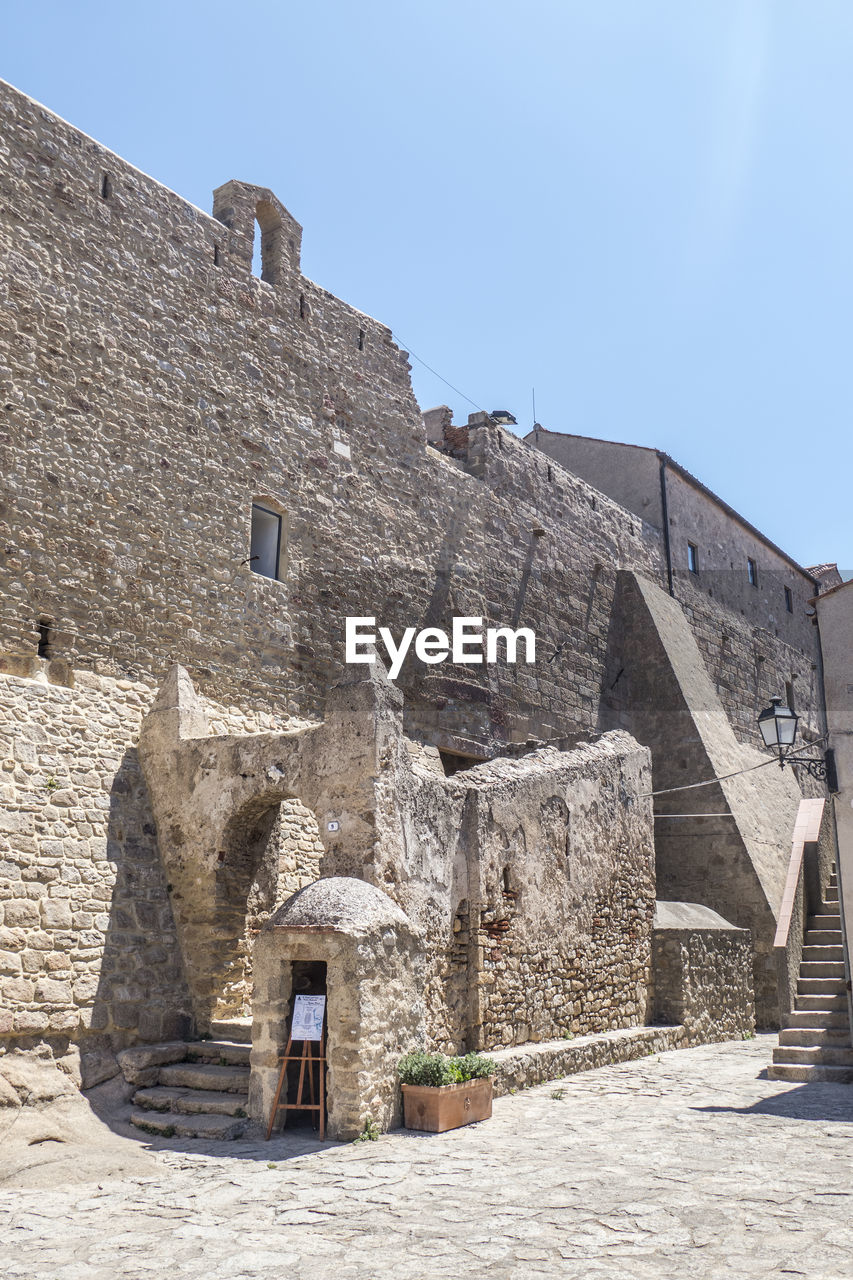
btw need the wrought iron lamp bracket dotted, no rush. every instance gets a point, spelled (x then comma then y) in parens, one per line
(816, 767)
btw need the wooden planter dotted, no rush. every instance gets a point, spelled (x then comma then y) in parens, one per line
(437, 1108)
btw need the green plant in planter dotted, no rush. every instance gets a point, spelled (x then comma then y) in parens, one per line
(435, 1069)
(474, 1066)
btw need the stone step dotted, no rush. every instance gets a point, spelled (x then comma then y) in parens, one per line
(822, 968)
(805, 987)
(826, 920)
(823, 1004)
(835, 952)
(801, 1074)
(141, 1063)
(191, 1101)
(815, 1055)
(831, 894)
(205, 1075)
(234, 1029)
(224, 1052)
(823, 938)
(818, 1019)
(171, 1124)
(833, 1037)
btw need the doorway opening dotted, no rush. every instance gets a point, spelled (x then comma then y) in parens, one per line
(308, 978)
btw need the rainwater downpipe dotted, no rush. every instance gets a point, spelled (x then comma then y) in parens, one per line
(664, 509)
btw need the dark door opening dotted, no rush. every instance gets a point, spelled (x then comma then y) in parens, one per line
(308, 978)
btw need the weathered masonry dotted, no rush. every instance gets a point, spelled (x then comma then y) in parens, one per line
(205, 473)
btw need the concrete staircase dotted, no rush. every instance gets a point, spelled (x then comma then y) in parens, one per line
(816, 1044)
(198, 1089)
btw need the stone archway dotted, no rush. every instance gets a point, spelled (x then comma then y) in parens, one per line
(271, 849)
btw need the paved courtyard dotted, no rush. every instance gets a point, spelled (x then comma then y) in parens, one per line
(686, 1164)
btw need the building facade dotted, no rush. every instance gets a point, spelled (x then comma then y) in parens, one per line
(205, 473)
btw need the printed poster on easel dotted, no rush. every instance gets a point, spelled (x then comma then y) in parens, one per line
(308, 1014)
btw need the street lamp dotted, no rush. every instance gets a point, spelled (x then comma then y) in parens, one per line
(777, 725)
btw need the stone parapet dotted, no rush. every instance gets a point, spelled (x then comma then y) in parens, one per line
(526, 1065)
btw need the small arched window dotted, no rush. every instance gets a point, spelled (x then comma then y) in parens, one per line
(266, 252)
(266, 548)
(106, 187)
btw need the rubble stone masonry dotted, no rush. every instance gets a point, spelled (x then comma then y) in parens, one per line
(151, 390)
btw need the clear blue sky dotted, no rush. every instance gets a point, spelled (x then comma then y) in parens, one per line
(644, 210)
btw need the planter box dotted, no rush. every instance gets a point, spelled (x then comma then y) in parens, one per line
(438, 1108)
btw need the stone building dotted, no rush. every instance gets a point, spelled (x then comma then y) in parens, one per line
(205, 473)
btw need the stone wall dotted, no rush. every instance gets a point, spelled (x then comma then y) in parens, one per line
(530, 882)
(727, 844)
(151, 395)
(152, 390)
(565, 890)
(701, 974)
(753, 644)
(87, 938)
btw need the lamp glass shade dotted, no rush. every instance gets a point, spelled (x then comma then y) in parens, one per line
(778, 724)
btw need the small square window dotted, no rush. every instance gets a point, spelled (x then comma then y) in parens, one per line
(692, 558)
(265, 547)
(789, 600)
(752, 572)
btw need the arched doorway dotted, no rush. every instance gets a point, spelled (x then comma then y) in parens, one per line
(271, 848)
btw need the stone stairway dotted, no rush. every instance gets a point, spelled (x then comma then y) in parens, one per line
(816, 1044)
(197, 1089)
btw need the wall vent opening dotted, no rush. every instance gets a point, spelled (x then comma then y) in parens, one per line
(106, 187)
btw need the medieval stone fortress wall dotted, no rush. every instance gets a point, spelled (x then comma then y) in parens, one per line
(156, 399)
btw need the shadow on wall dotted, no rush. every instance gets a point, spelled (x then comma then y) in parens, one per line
(141, 992)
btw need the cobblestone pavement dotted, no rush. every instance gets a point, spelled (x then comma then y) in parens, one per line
(687, 1164)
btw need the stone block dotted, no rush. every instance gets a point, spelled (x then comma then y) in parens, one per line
(18, 990)
(21, 914)
(55, 913)
(50, 991)
(137, 1062)
(27, 1021)
(96, 1066)
(10, 962)
(86, 988)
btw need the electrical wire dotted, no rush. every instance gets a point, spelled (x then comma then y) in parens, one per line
(691, 786)
(435, 372)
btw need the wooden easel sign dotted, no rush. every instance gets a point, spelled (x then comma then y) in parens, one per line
(308, 1025)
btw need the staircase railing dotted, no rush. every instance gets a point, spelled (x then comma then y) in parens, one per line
(801, 897)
